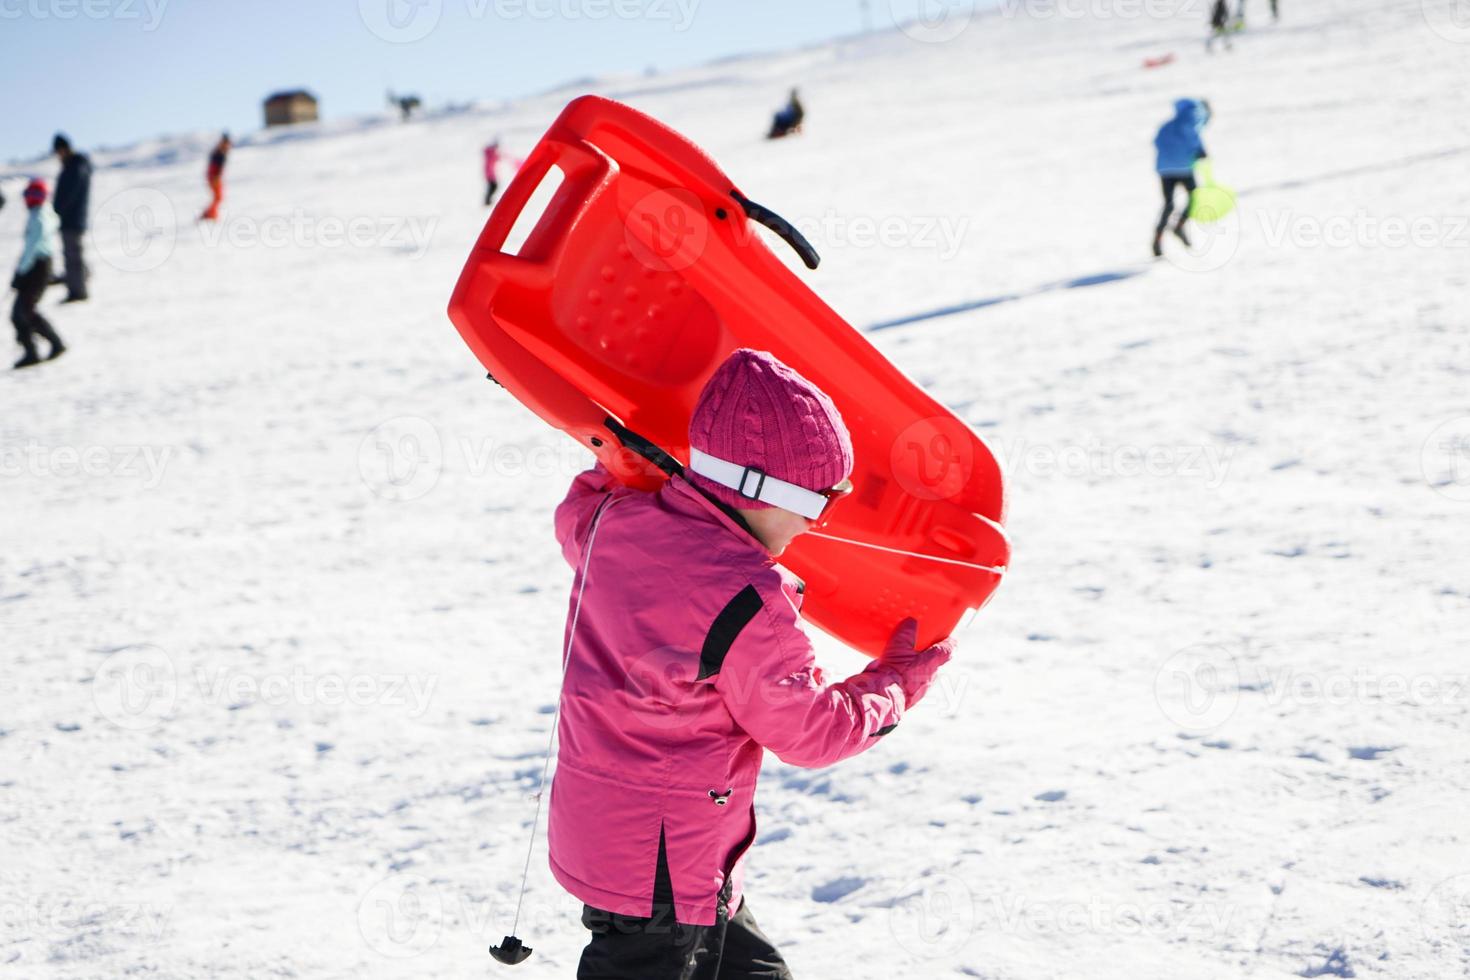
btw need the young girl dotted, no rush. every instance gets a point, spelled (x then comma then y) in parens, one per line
(685, 661)
(33, 275)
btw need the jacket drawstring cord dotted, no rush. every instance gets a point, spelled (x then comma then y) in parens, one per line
(556, 716)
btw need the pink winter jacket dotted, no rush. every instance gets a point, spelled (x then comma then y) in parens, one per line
(687, 660)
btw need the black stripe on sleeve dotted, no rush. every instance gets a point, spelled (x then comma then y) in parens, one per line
(736, 615)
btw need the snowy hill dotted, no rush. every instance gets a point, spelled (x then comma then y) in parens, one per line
(282, 610)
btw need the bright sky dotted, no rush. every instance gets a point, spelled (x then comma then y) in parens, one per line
(109, 72)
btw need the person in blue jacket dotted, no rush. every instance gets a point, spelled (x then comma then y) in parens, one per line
(33, 275)
(788, 120)
(1179, 145)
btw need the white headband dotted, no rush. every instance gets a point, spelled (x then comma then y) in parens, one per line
(753, 484)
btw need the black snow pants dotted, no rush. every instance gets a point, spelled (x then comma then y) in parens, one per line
(1171, 181)
(28, 321)
(660, 948)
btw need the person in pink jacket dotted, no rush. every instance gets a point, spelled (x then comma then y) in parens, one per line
(494, 156)
(685, 661)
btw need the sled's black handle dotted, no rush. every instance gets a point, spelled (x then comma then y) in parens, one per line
(644, 447)
(763, 215)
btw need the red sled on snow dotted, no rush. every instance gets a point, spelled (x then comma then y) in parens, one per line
(640, 277)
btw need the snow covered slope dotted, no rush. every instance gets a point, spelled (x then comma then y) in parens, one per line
(281, 610)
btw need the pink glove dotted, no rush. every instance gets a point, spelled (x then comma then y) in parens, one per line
(915, 668)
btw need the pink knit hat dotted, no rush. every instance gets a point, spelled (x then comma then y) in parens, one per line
(756, 411)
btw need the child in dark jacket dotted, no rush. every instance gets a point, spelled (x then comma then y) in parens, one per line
(214, 176)
(1220, 25)
(33, 275)
(685, 661)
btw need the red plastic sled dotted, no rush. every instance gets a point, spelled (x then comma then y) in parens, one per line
(641, 276)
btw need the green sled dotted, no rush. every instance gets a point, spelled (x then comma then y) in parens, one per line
(1210, 201)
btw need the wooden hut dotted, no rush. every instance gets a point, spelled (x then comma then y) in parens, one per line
(286, 108)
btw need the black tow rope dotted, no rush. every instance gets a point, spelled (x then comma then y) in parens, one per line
(644, 447)
(511, 950)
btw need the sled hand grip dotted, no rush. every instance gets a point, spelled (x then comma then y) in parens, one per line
(579, 168)
(761, 214)
(503, 218)
(644, 447)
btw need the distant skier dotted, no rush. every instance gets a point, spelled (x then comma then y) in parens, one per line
(1219, 26)
(686, 662)
(33, 275)
(214, 175)
(492, 165)
(789, 119)
(1275, 10)
(72, 201)
(1179, 145)
(495, 158)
